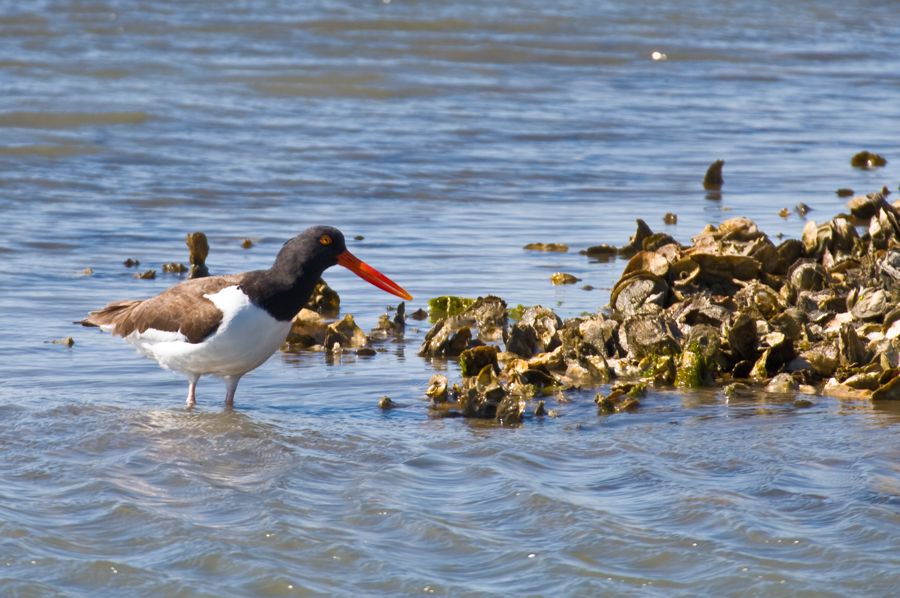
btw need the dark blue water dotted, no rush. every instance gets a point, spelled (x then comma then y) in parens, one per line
(448, 136)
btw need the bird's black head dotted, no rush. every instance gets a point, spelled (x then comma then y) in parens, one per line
(311, 252)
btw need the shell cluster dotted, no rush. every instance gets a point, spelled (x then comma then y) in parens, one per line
(816, 314)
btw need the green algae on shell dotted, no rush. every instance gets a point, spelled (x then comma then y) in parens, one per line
(889, 391)
(472, 361)
(447, 305)
(560, 278)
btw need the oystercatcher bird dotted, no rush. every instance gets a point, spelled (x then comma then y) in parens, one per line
(229, 325)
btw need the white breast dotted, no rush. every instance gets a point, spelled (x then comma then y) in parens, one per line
(246, 338)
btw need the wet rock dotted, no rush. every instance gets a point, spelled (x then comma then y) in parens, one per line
(824, 358)
(146, 275)
(247, 243)
(602, 251)
(638, 289)
(447, 338)
(535, 332)
(889, 268)
(782, 383)
(67, 341)
(559, 278)
(483, 396)
(598, 333)
(889, 391)
(131, 263)
(390, 326)
(307, 330)
(198, 251)
(366, 352)
(870, 304)
(844, 192)
(636, 242)
(737, 390)
(420, 314)
(174, 268)
(742, 337)
(551, 247)
(648, 334)
(866, 206)
(670, 218)
(807, 275)
(647, 261)
(851, 350)
(490, 315)
(345, 333)
(712, 180)
(385, 403)
(472, 361)
(727, 266)
(866, 160)
(802, 209)
(523, 341)
(864, 380)
(437, 389)
(623, 397)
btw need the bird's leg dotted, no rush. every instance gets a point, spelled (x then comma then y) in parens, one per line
(192, 390)
(231, 383)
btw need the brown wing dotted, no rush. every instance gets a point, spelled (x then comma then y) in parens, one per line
(182, 308)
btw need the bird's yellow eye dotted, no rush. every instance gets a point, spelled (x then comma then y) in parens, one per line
(325, 240)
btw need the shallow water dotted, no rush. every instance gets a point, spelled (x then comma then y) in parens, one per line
(448, 136)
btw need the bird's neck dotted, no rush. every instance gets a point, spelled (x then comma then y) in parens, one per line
(281, 294)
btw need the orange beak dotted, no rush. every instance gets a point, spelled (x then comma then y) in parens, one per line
(371, 275)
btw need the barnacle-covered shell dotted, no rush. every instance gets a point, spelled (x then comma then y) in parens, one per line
(807, 275)
(727, 266)
(636, 290)
(870, 304)
(648, 261)
(647, 334)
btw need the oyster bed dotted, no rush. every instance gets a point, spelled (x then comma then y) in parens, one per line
(816, 315)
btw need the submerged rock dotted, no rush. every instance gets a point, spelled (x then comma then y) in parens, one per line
(712, 180)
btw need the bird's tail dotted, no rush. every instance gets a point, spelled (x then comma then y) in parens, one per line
(110, 315)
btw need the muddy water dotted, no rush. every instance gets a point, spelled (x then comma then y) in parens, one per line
(448, 136)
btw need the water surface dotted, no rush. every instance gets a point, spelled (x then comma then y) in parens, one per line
(448, 136)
